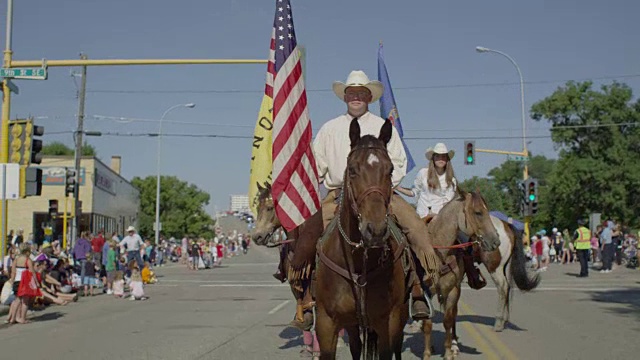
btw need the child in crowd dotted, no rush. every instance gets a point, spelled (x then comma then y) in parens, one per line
(118, 284)
(148, 276)
(110, 266)
(89, 280)
(136, 285)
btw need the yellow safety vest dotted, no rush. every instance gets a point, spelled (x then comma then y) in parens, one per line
(583, 242)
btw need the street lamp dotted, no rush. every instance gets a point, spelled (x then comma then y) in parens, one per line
(482, 49)
(157, 222)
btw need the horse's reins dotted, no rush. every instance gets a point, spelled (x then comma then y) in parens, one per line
(279, 243)
(457, 246)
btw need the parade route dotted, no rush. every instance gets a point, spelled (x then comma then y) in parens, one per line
(238, 311)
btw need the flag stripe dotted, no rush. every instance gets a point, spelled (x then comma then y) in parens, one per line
(297, 125)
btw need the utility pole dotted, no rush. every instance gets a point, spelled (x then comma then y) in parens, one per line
(75, 227)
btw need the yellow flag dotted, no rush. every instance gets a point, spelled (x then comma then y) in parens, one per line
(261, 161)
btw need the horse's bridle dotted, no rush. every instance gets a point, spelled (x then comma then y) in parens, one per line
(356, 202)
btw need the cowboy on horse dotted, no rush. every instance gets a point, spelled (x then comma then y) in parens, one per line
(331, 149)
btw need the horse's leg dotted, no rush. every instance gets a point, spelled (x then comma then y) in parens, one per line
(451, 299)
(454, 343)
(396, 329)
(355, 345)
(427, 327)
(327, 331)
(502, 285)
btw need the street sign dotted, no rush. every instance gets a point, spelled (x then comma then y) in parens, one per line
(13, 87)
(9, 181)
(24, 73)
(154, 227)
(519, 158)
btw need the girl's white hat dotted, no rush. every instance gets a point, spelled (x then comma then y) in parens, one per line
(440, 148)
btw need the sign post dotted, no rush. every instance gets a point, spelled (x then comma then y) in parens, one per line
(9, 189)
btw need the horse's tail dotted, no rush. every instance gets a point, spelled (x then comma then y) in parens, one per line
(518, 264)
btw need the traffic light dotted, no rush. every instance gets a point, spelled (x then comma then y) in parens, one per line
(53, 209)
(31, 181)
(69, 181)
(33, 145)
(470, 153)
(524, 200)
(24, 149)
(532, 195)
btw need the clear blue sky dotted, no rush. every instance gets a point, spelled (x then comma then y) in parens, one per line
(443, 86)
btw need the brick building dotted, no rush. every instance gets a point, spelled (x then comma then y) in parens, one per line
(109, 201)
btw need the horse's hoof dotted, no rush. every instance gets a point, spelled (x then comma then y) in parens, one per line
(455, 349)
(498, 327)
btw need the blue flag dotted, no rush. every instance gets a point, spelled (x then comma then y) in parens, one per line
(388, 109)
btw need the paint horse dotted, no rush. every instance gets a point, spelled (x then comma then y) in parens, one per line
(507, 265)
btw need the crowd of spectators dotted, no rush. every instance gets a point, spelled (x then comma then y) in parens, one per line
(35, 275)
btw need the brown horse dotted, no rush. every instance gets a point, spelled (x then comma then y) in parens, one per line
(361, 275)
(467, 216)
(297, 253)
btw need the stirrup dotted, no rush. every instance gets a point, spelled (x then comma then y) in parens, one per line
(426, 300)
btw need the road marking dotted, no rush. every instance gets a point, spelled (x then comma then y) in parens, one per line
(280, 306)
(251, 264)
(487, 331)
(272, 281)
(487, 351)
(564, 288)
(244, 285)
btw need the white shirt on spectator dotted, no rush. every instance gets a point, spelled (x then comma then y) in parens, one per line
(133, 242)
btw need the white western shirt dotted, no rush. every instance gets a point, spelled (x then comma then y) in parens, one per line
(133, 242)
(332, 145)
(430, 200)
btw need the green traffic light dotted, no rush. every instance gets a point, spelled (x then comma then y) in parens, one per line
(470, 159)
(532, 197)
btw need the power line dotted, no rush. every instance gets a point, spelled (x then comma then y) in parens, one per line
(430, 87)
(130, 120)
(223, 136)
(593, 125)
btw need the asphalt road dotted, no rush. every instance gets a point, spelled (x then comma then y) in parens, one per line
(239, 311)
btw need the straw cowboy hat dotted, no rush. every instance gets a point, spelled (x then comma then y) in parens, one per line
(359, 78)
(440, 148)
(131, 228)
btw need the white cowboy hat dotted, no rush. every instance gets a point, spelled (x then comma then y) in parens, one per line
(440, 148)
(359, 78)
(131, 228)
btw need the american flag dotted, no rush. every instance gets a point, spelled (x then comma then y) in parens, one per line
(295, 178)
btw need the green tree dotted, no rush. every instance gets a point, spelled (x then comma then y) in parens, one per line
(181, 207)
(599, 140)
(493, 195)
(58, 148)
